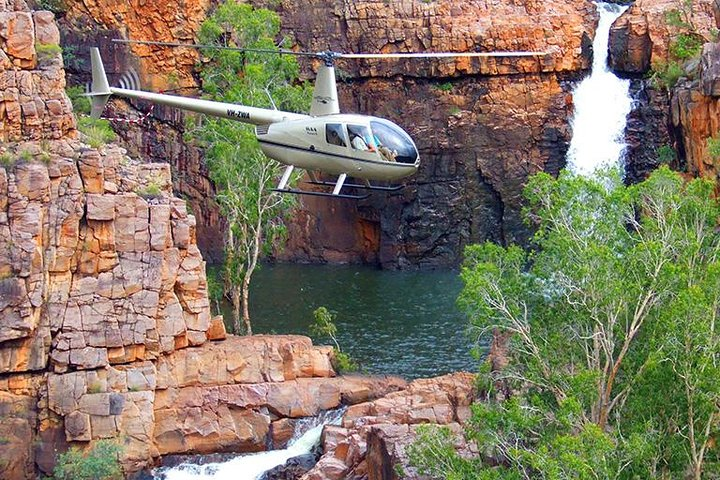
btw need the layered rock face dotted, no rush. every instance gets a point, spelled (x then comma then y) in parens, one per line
(374, 436)
(482, 126)
(685, 117)
(696, 114)
(159, 139)
(105, 326)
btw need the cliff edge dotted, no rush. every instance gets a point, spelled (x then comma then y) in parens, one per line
(105, 325)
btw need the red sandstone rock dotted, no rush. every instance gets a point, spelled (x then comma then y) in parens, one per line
(641, 36)
(374, 435)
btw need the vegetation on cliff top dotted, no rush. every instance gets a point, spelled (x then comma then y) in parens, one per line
(686, 44)
(243, 175)
(612, 348)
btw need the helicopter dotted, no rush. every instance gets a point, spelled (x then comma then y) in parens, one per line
(326, 141)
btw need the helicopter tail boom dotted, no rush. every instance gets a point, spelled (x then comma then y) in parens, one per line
(101, 91)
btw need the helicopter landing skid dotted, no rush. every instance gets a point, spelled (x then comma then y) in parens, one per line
(360, 185)
(320, 194)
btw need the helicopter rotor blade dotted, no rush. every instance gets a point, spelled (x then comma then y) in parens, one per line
(329, 55)
(215, 47)
(441, 54)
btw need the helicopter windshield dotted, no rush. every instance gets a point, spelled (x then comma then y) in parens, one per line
(394, 144)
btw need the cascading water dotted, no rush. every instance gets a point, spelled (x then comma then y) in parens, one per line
(252, 466)
(602, 103)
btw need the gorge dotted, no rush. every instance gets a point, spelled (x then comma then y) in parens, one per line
(106, 329)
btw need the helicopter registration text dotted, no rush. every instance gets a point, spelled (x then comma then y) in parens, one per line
(238, 114)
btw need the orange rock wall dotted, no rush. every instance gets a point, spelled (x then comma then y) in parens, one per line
(474, 203)
(105, 325)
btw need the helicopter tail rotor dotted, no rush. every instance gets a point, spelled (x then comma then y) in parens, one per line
(100, 89)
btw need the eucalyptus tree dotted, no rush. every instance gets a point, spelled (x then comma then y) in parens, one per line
(612, 348)
(243, 175)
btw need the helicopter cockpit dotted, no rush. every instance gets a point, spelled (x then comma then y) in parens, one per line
(381, 136)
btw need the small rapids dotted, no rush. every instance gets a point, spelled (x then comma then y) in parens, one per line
(252, 466)
(602, 103)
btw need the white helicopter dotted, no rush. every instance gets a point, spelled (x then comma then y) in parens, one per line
(343, 145)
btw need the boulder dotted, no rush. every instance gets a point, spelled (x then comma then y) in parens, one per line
(374, 435)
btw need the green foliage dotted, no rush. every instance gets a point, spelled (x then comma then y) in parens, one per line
(149, 191)
(686, 46)
(47, 51)
(444, 87)
(215, 287)
(80, 103)
(344, 363)
(243, 176)
(98, 131)
(676, 18)
(686, 43)
(667, 75)
(324, 326)
(58, 7)
(613, 353)
(666, 155)
(7, 159)
(713, 146)
(433, 454)
(98, 463)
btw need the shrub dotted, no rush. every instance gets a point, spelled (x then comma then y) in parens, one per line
(667, 75)
(713, 145)
(80, 103)
(686, 46)
(47, 51)
(151, 190)
(98, 463)
(58, 7)
(98, 131)
(666, 154)
(7, 160)
(324, 326)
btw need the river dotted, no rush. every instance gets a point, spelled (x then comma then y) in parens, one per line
(401, 323)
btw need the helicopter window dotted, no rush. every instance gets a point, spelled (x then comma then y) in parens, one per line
(334, 134)
(393, 143)
(360, 138)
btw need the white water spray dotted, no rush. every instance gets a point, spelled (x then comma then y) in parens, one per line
(602, 103)
(251, 466)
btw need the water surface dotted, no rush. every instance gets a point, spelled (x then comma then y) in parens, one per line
(402, 323)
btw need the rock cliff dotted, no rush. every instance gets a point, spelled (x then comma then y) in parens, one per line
(482, 126)
(105, 325)
(685, 116)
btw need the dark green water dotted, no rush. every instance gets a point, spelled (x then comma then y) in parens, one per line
(402, 323)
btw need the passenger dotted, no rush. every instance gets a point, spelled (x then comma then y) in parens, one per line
(335, 139)
(387, 154)
(359, 143)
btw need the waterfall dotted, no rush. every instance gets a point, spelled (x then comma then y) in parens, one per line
(602, 103)
(251, 466)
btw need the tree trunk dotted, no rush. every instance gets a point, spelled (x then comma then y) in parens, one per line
(245, 306)
(236, 303)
